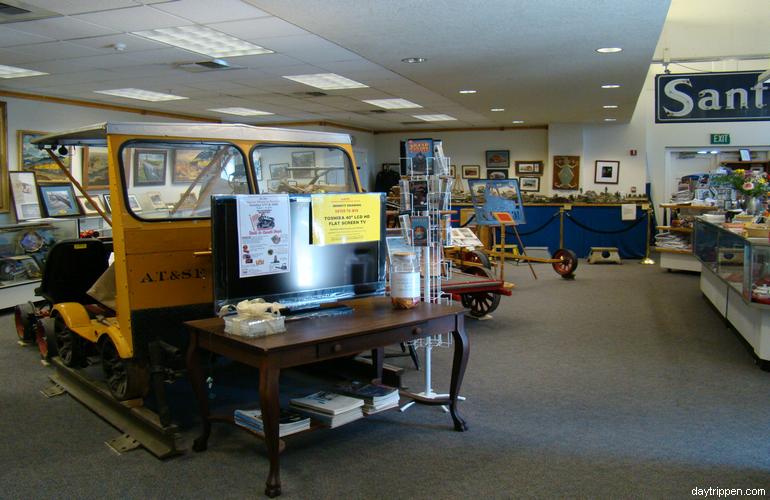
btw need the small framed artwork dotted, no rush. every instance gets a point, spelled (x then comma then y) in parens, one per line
(498, 159)
(150, 167)
(529, 168)
(59, 200)
(156, 200)
(32, 159)
(86, 206)
(107, 204)
(95, 172)
(133, 203)
(471, 171)
(497, 173)
(24, 192)
(302, 163)
(529, 183)
(566, 172)
(189, 164)
(745, 154)
(453, 171)
(607, 172)
(279, 171)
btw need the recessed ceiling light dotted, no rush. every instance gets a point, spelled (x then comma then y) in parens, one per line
(414, 60)
(611, 86)
(610, 106)
(392, 103)
(468, 91)
(608, 50)
(517, 121)
(142, 95)
(434, 118)
(497, 109)
(240, 111)
(203, 41)
(610, 119)
(327, 81)
(14, 72)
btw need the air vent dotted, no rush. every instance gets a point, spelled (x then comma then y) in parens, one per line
(310, 94)
(206, 66)
(10, 10)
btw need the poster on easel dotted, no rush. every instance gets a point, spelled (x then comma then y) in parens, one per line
(490, 196)
(264, 234)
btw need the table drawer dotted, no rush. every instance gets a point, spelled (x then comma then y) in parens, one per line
(361, 343)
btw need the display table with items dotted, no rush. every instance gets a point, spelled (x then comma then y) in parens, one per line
(735, 277)
(372, 324)
(674, 238)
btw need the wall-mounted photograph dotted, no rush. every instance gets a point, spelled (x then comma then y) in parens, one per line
(59, 200)
(301, 163)
(566, 172)
(95, 173)
(32, 159)
(150, 167)
(24, 193)
(529, 168)
(607, 172)
(471, 171)
(498, 159)
(497, 173)
(189, 163)
(529, 183)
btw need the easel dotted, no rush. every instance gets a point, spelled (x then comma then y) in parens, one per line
(505, 220)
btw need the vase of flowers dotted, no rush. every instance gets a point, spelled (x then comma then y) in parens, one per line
(753, 186)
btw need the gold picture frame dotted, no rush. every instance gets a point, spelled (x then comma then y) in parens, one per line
(95, 169)
(32, 159)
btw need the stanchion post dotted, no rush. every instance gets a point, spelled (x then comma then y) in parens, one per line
(561, 226)
(647, 260)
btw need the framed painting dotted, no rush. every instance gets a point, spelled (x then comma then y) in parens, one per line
(106, 203)
(471, 172)
(529, 183)
(26, 203)
(133, 203)
(566, 172)
(497, 173)
(86, 206)
(4, 191)
(150, 167)
(607, 172)
(189, 164)
(302, 163)
(453, 171)
(279, 171)
(32, 159)
(59, 200)
(95, 173)
(529, 168)
(498, 159)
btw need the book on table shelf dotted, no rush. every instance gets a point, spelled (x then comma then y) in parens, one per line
(329, 420)
(290, 422)
(329, 403)
(375, 397)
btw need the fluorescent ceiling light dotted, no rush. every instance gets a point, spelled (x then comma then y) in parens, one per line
(392, 103)
(497, 109)
(517, 121)
(703, 152)
(435, 118)
(142, 95)
(14, 72)
(714, 152)
(610, 106)
(468, 91)
(204, 41)
(611, 86)
(610, 119)
(608, 50)
(240, 111)
(414, 60)
(327, 81)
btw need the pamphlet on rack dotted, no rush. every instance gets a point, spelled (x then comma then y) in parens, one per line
(264, 234)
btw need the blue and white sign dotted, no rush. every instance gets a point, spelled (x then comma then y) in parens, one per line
(711, 97)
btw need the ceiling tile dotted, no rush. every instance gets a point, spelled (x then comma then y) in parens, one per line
(170, 55)
(132, 43)
(308, 48)
(10, 37)
(263, 61)
(262, 27)
(52, 50)
(80, 6)
(201, 11)
(133, 19)
(62, 28)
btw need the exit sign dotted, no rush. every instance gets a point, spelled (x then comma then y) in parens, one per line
(720, 138)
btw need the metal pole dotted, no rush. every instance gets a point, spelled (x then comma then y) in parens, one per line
(647, 260)
(561, 226)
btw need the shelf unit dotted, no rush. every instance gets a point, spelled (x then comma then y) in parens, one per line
(677, 258)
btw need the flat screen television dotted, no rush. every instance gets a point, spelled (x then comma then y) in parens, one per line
(317, 274)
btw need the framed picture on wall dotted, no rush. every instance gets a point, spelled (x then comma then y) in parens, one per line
(95, 173)
(59, 200)
(190, 163)
(471, 171)
(87, 208)
(24, 190)
(32, 159)
(279, 171)
(529, 183)
(453, 171)
(566, 172)
(497, 173)
(150, 167)
(107, 204)
(302, 163)
(606, 172)
(4, 191)
(498, 158)
(529, 168)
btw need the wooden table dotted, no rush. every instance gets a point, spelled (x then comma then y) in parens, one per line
(372, 325)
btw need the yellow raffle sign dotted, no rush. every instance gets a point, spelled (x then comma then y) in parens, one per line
(345, 218)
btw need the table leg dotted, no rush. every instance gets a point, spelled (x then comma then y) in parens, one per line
(271, 409)
(458, 370)
(378, 355)
(195, 374)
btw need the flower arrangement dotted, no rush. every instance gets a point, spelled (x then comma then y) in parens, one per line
(748, 182)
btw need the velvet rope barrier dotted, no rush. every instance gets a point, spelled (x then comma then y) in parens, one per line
(600, 231)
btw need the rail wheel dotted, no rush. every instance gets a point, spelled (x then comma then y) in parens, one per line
(126, 378)
(476, 257)
(567, 264)
(25, 321)
(480, 303)
(70, 345)
(45, 337)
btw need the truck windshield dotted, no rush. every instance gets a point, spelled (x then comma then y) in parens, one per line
(175, 180)
(302, 169)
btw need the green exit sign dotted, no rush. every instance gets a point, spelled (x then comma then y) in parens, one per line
(720, 138)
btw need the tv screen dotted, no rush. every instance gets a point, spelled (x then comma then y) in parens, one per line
(315, 273)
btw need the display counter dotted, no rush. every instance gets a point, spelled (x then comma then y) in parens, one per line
(584, 225)
(735, 277)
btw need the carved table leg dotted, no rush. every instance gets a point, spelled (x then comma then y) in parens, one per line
(458, 370)
(271, 409)
(195, 374)
(378, 355)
